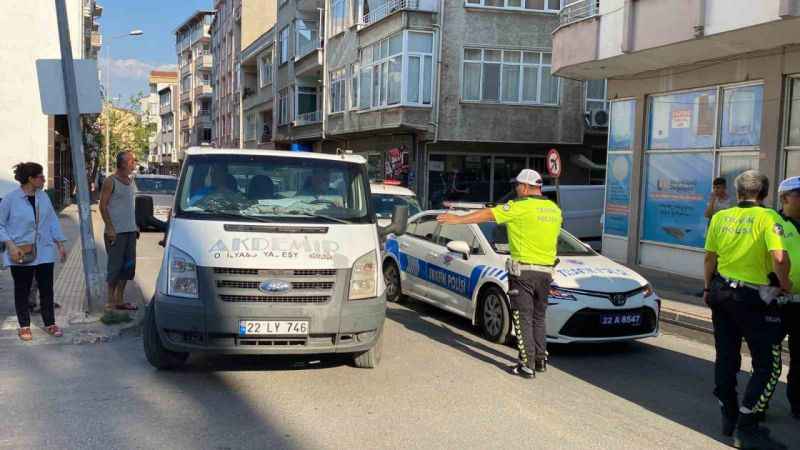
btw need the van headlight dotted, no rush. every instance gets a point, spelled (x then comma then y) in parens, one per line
(182, 274)
(364, 279)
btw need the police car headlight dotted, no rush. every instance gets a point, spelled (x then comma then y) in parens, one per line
(364, 279)
(647, 290)
(182, 272)
(558, 294)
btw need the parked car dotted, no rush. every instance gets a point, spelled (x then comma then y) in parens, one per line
(386, 195)
(461, 269)
(162, 189)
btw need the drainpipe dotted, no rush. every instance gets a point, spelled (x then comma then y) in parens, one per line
(700, 20)
(323, 106)
(440, 27)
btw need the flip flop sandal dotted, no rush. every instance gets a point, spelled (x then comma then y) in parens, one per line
(25, 334)
(127, 307)
(53, 330)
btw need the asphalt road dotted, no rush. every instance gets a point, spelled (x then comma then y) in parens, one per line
(438, 386)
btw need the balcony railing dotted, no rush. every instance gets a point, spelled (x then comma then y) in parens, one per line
(164, 108)
(308, 118)
(203, 89)
(388, 8)
(203, 62)
(579, 10)
(97, 39)
(306, 46)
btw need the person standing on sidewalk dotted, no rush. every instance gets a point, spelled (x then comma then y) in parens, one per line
(117, 207)
(789, 193)
(534, 223)
(33, 239)
(744, 244)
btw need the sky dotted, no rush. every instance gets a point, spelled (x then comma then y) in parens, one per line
(132, 58)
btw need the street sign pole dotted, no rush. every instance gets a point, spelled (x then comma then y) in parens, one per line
(554, 168)
(91, 270)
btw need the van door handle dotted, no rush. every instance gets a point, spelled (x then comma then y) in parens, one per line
(403, 245)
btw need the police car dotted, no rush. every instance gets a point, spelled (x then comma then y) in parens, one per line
(461, 269)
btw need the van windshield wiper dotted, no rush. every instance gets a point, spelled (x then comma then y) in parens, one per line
(318, 216)
(235, 216)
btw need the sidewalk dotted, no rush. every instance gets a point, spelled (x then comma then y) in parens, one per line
(69, 287)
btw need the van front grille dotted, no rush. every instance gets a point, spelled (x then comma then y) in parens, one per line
(309, 299)
(296, 285)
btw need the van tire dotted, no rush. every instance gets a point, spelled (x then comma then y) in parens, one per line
(157, 355)
(494, 315)
(391, 276)
(372, 357)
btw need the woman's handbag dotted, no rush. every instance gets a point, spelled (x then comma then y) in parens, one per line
(29, 250)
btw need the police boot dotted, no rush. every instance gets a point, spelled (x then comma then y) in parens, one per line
(729, 419)
(521, 370)
(749, 435)
(540, 365)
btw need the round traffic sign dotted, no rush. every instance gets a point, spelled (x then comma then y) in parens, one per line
(553, 163)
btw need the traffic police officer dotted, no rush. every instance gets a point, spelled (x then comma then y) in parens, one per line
(744, 244)
(789, 193)
(534, 223)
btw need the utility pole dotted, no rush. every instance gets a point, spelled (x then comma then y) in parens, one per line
(91, 271)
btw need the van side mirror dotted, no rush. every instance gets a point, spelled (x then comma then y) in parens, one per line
(399, 222)
(460, 247)
(144, 213)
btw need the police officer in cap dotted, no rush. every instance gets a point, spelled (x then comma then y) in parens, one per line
(534, 223)
(743, 246)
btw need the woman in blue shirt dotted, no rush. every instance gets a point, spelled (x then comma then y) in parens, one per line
(27, 217)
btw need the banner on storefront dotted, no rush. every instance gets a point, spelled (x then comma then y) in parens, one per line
(618, 194)
(620, 134)
(678, 187)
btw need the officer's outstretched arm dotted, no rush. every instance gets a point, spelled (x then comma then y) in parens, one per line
(480, 216)
(781, 266)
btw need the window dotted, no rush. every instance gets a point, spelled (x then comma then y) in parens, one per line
(338, 83)
(306, 37)
(354, 74)
(386, 68)
(508, 76)
(596, 95)
(283, 106)
(283, 44)
(338, 15)
(450, 233)
(250, 127)
(741, 116)
(265, 69)
(530, 5)
(307, 104)
(423, 228)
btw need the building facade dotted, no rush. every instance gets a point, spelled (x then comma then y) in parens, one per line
(237, 24)
(151, 114)
(193, 45)
(432, 94)
(257, 97)
(34, 136)
(697, 91)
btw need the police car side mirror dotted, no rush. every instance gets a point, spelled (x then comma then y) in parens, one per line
(459, 247)
(399, 222)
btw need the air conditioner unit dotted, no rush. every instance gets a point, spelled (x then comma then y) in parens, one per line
(597, 118)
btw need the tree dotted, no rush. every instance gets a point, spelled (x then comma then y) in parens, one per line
(128, 132)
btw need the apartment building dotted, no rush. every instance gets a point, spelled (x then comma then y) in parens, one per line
(169, 153)
(30, 33)
(193, 45)
(151, 106)
(257, 96)
(450, 98)
(237, 24)
(699, 89)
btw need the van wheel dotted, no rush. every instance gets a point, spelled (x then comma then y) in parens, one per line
(391, 276)
(157, 355)
(495, 317)
(372, 357)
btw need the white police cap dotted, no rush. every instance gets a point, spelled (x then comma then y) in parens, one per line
(529, 176)
(789, 184)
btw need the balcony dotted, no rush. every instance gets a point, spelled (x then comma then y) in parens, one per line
(308, 118)
(97, 39)
(186, 94)
(186, 69)
(599, 39)
(203, 63)
(164, 108)
(203, 90)
(388, 8)
(184, 124)
(204, 118)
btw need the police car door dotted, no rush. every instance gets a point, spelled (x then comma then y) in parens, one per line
(449, 272)
(415, 245)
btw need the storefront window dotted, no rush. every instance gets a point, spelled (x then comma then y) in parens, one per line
(793, 163)
(461, 178)
(677, 191)
(618, 194)
(682, 121)
(741, 116)
(620, 136)
(794, 114)
(506, 168)
(731, 165)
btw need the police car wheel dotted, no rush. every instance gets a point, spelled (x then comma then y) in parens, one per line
(495, 318)
(391, 276)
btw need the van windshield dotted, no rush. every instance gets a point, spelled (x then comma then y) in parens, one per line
(258, 188)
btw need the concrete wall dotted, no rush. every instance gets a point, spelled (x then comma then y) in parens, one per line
(508, 123)
(257, 17)
(29, 32)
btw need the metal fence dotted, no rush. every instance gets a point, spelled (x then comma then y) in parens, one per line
(387, 8)
(579, 10)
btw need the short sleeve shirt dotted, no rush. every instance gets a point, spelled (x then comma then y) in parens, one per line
(534, 224)
(791, 243)
(743, 237)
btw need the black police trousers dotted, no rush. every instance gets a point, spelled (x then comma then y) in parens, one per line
(791, 322)
(528, 294)
(741, 314)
